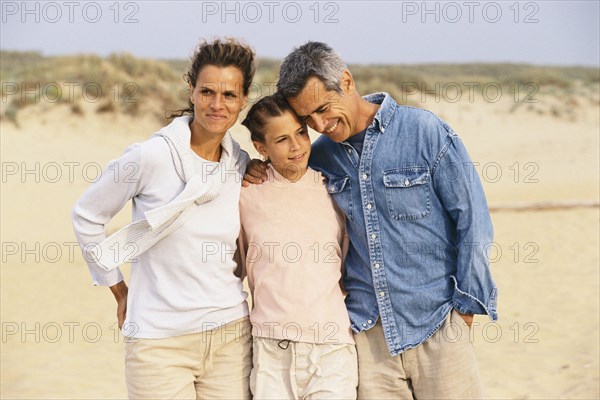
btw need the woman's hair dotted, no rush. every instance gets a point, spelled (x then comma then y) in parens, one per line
(271, 106)
(220, 53)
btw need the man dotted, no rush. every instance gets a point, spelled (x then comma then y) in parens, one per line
(419, 228)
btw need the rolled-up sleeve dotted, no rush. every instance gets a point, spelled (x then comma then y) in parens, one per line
(459, 188)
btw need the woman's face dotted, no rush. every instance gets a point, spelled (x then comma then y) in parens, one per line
(287, 145)
(218, 99)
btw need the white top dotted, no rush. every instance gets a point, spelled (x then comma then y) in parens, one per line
(200, 187)
(185, 283)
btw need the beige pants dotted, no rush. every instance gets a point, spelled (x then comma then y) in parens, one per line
(442, 367)
(213, 364)
(296, 370)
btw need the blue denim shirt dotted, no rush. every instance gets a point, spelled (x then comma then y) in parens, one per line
(418, 222)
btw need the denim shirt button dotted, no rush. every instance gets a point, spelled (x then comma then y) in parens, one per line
(370, 321)
(412, 201)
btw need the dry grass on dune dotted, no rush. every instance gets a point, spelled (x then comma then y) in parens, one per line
(126, 84)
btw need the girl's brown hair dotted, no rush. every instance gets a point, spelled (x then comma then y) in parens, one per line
(267, 107)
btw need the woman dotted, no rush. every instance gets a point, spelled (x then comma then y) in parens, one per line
(185, 312)
(291, 245)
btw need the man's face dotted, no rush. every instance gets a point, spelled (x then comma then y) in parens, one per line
(326, 111)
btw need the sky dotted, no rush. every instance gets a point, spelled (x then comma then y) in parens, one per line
(552, 32)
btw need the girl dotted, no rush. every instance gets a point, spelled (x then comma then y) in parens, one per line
(291, 246)
(185, 313)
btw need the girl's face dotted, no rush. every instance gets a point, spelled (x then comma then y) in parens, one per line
(287, 145)
(218, 99)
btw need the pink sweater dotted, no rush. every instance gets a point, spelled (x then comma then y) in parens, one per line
(291, 246)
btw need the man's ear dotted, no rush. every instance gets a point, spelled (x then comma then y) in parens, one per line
(347, 82)
(261, 148)
(244, 102)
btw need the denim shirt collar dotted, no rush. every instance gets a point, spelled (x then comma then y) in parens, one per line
(385, 112)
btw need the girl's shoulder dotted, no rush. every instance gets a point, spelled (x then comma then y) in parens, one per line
(254, 190)
(315, 177)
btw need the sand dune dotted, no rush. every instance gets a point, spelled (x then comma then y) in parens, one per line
(58, 332)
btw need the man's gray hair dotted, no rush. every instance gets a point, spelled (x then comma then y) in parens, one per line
(313, 59)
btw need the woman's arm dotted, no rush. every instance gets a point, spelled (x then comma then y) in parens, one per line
(119, 182)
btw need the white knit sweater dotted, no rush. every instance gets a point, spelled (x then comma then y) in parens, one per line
(185, 282)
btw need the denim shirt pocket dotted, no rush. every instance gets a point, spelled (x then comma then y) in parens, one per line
(407, 192)
(339, 188)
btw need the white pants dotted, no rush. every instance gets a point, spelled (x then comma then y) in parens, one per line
(296, 370)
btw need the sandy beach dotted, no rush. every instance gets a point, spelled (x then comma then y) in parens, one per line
(59, 336)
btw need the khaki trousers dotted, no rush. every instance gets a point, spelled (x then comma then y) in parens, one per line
(442, 367)
(213, 364)
(295, 370)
